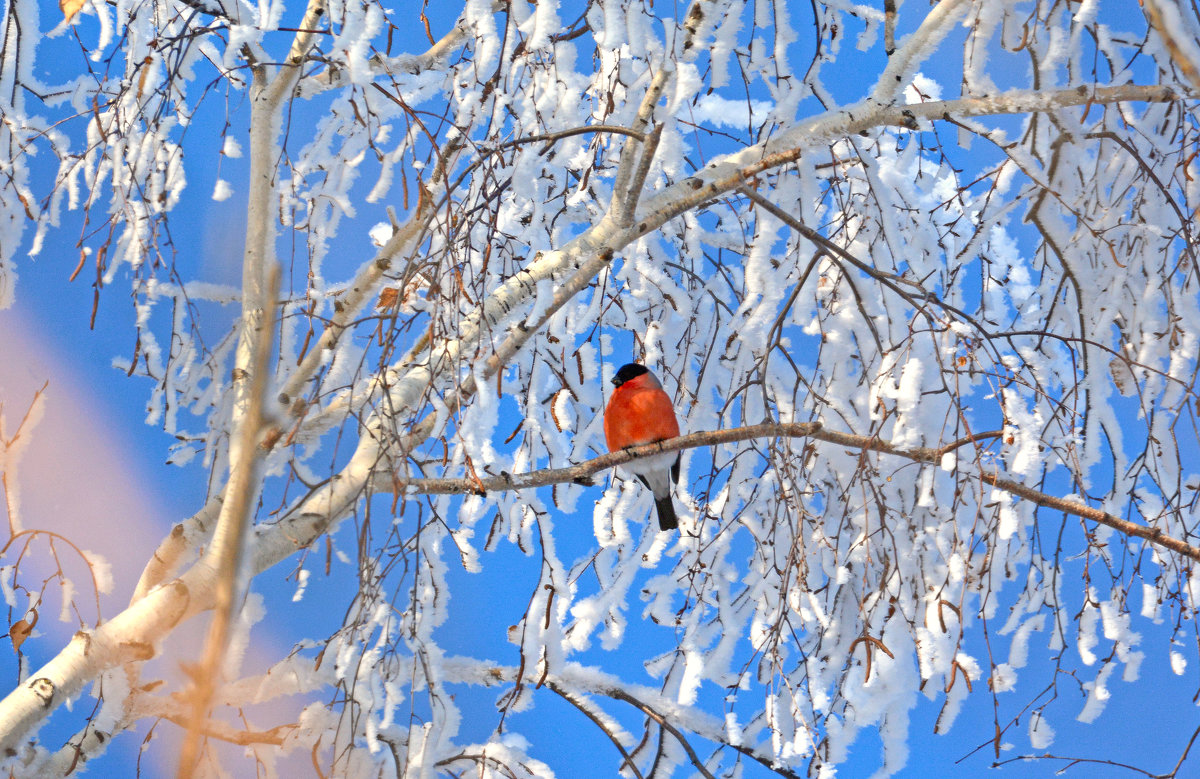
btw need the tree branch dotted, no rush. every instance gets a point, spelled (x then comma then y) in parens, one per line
(586, 129)
(626, 188)
(581, 473)
(227, 550)
(576, 680)
(607, 727)
(1164, 17)
(222, 731)
(186, 538)
(406, 63)
(728, 173)
(665, 724)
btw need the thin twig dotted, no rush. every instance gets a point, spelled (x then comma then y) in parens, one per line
(627, 759)
(1183, 757)
(621, 695)
(615, 129)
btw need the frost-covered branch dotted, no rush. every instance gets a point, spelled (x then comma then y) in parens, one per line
(582, 473)
(732, 171)
(186, 538)
(128, 637)
(411, 64)
(634, 166)
(606, 724)
(575, 680)
(1178, 35)
(907, 58)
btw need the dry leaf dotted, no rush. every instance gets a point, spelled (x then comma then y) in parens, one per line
(69, 8)
(1122, 376)
(20, 630)
(389, 297)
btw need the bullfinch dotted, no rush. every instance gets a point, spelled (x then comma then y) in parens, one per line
(639, 412)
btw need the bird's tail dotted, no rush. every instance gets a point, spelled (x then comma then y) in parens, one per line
(666, 513)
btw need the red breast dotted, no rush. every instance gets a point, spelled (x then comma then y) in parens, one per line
(639, 412)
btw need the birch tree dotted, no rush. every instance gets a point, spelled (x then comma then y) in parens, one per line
(921, 280)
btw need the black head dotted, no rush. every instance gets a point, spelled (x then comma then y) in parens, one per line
(627, 372)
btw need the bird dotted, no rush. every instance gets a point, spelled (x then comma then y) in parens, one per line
(640, 412)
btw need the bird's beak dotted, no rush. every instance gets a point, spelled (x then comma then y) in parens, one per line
(616, 382)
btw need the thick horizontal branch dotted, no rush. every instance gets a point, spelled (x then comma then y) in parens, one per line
(582, 473)
(1021, 101)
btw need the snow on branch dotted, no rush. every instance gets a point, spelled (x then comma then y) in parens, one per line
(582, 472)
